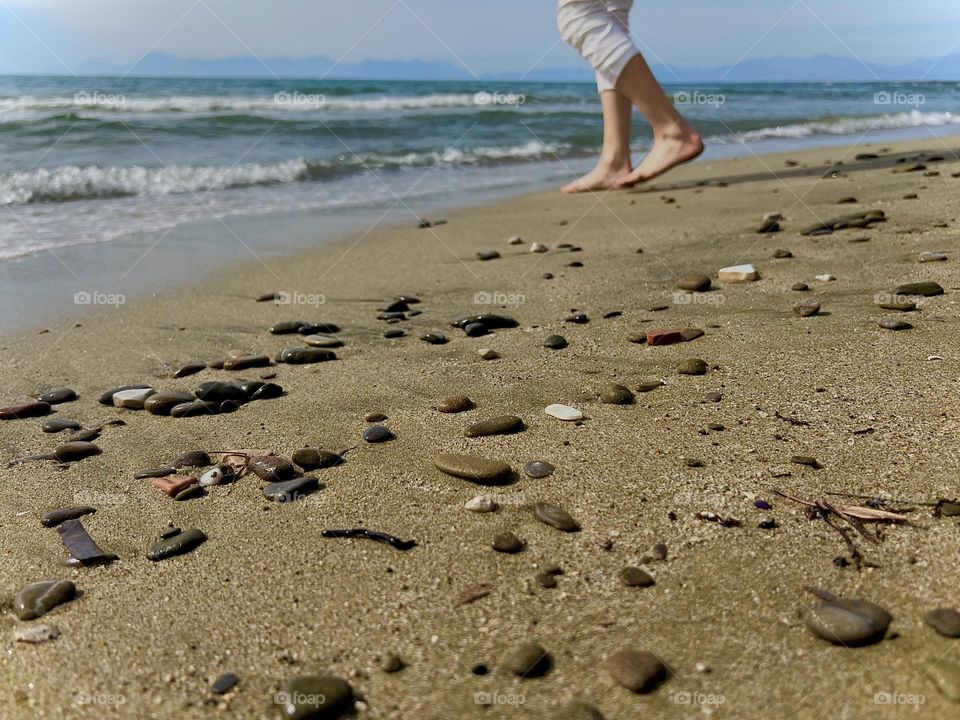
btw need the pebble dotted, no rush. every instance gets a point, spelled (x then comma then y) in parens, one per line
(689, 334)
(507, 542)
(636, 670)
(577, 710)
(217, 392)
(189, 369)
(892, 323)
(173, 485)
(515, 240)
(924, 289)
(316, 697)
(657, 553)
(290, 490)
(614, 394)
(781, 254)
(555, 516)
(132, 399)
(224, 684)
(692, 366)
(527, 660)
(502, 425)
(434, 338)
(656, 338)
(272, 468)
(162, 403)
(714, 397)
(800, 287)
(649, 385)
(245, 362)
(488, 354)
(807, 308)
(267, 391)
(946, 676)
(36, 634)
(392, 663)
(538, 248)
(538, 469)
(694, 283)
(481, 504)
(55, 425)
(39, 598)
(194, 408)
(738, 273)
(378, 434)
(945, 621)
(488, 255)
(924, 257)
(455, 404)
(316, 458)
(26, 410)
(394, 333)
(178, 544)
(555, 342)
(805, 460)
(847, 622)
(769, 225)
(901, 303)
(305, 356)
(636, 577)
(563, 412)
(55, 517)
(76, 450)
(217, 476)
(475, 469)
(107, 397)
(57, 395)
(192, 459)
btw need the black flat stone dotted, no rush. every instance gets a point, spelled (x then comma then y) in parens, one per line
(290, 490)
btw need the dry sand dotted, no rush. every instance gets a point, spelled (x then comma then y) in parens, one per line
(268, 598)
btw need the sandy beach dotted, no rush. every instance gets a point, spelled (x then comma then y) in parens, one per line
(689, 464)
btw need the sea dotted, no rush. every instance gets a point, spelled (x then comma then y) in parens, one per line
(129, 165)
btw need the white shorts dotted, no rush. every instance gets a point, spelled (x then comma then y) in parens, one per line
(599, 30)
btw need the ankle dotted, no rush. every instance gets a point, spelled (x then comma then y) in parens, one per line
(614, 160)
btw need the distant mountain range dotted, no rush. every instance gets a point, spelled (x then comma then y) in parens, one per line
(822, 68)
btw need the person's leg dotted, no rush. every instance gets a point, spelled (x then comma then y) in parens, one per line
(676, 141)
(614, 160)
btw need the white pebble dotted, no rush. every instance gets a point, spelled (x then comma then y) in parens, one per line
(211, 477)
(825, 278)
(36, 633)
(563, 412)
(515, 240)
(738, 273)
(772, 217)
(481, 504)
(132, 399)
(702, 668)
(538, 248)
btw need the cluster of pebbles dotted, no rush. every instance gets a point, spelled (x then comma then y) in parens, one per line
(192, 475)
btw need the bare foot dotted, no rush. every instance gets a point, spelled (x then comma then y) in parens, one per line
(680, 145)
(602, 177)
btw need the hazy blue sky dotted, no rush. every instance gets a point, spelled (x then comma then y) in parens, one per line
(484, 35)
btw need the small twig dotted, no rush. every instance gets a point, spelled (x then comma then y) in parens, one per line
(793, 421)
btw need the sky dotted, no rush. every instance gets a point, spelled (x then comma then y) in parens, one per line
(483, 36)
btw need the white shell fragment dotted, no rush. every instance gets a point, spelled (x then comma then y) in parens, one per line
(563, 412)
(738, 273)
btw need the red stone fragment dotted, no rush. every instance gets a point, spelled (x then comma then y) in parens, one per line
(32, 409)
(664, 337)
(173, 484)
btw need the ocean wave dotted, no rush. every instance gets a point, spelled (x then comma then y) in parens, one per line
(845, 126)
(71, 183)
(292, 101)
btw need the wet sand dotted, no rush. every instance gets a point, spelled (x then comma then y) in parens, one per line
(268, 598)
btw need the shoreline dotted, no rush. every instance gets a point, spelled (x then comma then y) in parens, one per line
(268, 597)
